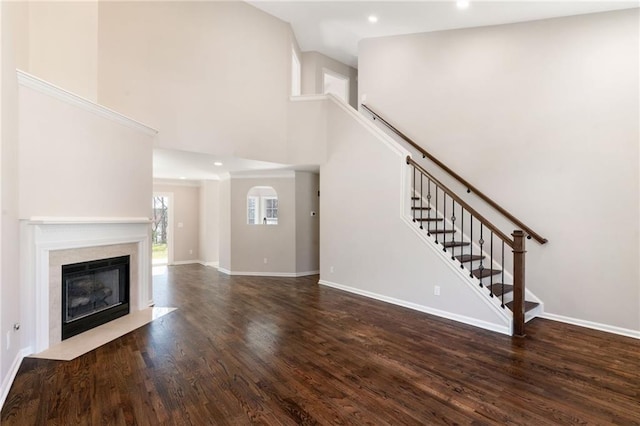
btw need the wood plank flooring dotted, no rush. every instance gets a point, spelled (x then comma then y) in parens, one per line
(245, 350)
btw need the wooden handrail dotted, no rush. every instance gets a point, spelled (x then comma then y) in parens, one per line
(460, 201)
(460, 179)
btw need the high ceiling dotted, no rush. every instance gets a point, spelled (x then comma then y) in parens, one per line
(334, 28)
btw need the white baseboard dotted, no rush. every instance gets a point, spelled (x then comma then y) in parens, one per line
(11, 375)
(210, 264)
(593, 325)
(269, 274)
(503, 329)
(184, 262)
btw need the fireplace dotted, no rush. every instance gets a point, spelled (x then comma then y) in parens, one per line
(94, 293)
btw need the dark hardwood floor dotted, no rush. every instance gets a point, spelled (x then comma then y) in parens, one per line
(243, 350)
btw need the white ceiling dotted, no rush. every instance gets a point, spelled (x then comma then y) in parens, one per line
(183, 165)
(334, 28)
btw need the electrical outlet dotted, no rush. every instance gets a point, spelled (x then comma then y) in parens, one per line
(190, 251)
(265, 260)
(331, 269)
(436, 290)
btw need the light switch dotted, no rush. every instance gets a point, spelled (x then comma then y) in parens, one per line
(180, 224)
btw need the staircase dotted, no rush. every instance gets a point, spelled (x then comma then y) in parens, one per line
(491, 278)
(469, 238)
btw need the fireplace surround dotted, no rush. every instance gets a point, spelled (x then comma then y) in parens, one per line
(50, 243)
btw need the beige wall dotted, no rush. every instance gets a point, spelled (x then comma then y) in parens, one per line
(368, 248)
(225, 224)
(307, 186)
(251, 244)
(209, 221)
(76, 163)
(313, 65)
(543, 117)
(212, 77)
(63, 45)
(184, 215)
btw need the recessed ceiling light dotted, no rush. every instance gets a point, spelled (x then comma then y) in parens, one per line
(217, 163)
(373, 19)
(462, 4)
(182, 177)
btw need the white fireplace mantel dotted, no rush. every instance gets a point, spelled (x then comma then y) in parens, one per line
(41, 235)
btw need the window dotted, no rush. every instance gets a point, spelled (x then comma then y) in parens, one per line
(262, 206)
(271, 210)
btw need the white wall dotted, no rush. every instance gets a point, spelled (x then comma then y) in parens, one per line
(10, 292)
(367, 247)
(212, 77)
(184, 211)
(209, 221)
(306, 131)
(543, 117)
(73, 162)
(63, 45)
(307, 185)
(313, 66)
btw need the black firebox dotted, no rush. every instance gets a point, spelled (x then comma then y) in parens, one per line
(94, 293)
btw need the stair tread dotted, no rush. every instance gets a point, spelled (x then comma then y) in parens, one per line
(498, 290)
(469, 258)
(527, 305)
(443, 231)
(428, 219)
(485, 272)
(454, 244)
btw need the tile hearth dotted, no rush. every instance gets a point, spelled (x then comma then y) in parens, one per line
(89, 340)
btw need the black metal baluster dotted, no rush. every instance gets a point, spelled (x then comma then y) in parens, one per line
(421, 176)
(461, 234)
(436, 216)
(491, 268)
(429, 211)
(471, 251)
(453, 226)
(444, 223)
(502, 266)
(413, 194)
(481, 241)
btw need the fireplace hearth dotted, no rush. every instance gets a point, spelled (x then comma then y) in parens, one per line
(94, 293)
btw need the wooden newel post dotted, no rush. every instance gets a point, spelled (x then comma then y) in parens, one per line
(518, 283)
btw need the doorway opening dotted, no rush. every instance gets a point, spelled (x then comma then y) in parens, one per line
(160, 230)
(336, 84)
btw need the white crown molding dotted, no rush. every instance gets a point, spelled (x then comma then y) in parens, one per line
(35, 83)
(178, 182)
(63, 220)
(264, 174)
